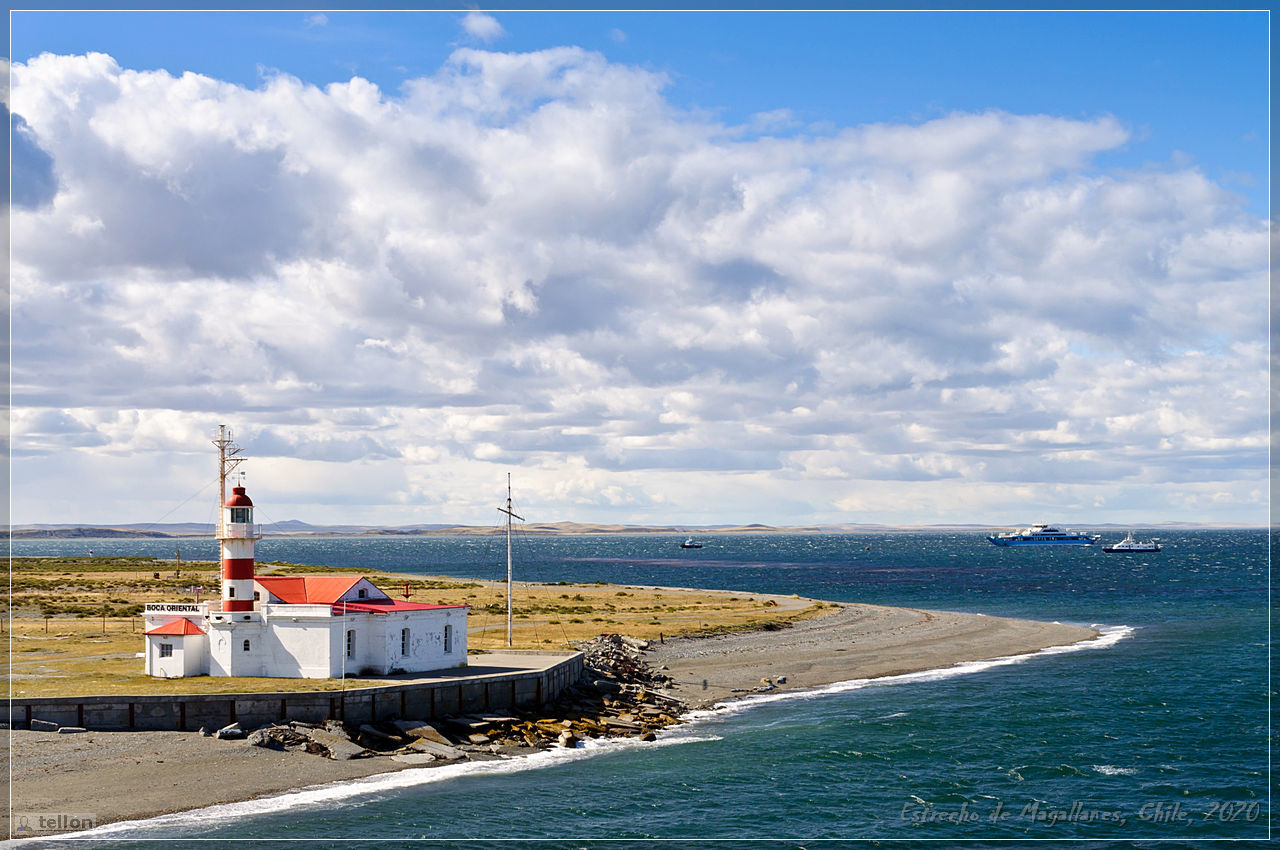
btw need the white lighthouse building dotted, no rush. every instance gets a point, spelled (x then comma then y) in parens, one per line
(295, 626)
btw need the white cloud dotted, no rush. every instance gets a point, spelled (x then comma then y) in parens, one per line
(535, 260)
(482, 27)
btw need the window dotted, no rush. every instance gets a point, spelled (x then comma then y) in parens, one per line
(351, 644)
(363, 593)
(404, 641)
(246, 645)
(448, 638)
(231, 591)
(166, 650)
(257, 594)
(241, 515)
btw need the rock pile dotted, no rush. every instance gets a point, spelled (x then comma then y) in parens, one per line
(619, 696)
(339, 741)
(617, 658)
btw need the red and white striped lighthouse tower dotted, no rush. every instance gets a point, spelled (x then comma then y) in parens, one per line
(236, 530)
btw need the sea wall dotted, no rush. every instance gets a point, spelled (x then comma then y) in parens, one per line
(460, 694)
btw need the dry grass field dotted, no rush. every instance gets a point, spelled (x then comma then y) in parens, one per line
(75, 623)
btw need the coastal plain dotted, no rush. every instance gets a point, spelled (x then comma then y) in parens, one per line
(74, 623)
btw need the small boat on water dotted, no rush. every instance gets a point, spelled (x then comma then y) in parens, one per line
(1042, 534)
(690, 543)
(1131, 545)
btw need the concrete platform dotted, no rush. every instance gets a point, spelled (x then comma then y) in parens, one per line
(493, 681)
(487, 664)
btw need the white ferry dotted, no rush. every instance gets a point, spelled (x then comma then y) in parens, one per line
(1041, 534)
(1131, 545)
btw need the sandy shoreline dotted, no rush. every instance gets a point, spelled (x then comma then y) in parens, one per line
(131, 775)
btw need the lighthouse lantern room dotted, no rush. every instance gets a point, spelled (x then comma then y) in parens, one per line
(294, 626)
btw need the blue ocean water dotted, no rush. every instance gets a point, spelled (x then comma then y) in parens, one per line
(1158, 733)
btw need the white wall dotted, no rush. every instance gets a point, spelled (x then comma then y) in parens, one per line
(227, 634)
(299, 646)
(426, 640)
(195, 655)
(167, 668)
(378, 645)
(308, 641)
(188, 656)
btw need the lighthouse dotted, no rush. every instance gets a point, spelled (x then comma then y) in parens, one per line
(293, 626)
(236, 529)
(236, 534)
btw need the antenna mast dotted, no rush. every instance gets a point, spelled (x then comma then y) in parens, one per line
(510, 513)
(228, 459)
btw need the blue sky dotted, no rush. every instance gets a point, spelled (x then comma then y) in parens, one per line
(1194, 83)
(668, 267)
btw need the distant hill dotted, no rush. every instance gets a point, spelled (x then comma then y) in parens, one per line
(297, 528)
(74, 531)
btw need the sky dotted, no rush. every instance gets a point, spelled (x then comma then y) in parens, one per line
(691, 268)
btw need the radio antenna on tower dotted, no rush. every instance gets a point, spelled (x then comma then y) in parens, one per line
(228, 459)
(510, 513)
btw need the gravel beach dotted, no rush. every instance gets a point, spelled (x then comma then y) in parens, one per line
(852, 642)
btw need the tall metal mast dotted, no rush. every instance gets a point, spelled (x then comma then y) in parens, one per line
(510, 513)
(228, 459)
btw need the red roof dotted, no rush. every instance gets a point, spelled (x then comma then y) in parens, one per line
(238, 499)
(177, 627)
(307, 590)
(387, 606)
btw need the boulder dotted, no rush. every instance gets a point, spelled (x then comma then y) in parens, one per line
(339, 747)
(624, 725)
(419, 729)
(231, 731)
(567, 739)
(414, 758)
(276, 737)
(262, 738)
(440, 751)
(380, 737)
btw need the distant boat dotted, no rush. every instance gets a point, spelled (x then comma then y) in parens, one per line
(1041, 534)
(690, 543)
(1131, 545)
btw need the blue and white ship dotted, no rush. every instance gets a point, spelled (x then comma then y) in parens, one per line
(1044, 535)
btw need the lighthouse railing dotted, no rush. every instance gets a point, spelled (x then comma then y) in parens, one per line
(239, 530)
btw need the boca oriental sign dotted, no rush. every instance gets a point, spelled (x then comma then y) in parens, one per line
(173, 608)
